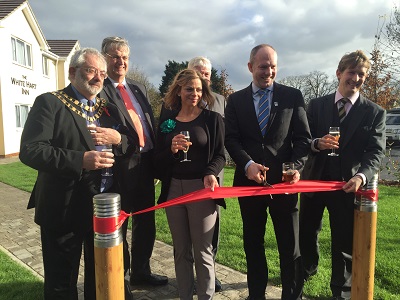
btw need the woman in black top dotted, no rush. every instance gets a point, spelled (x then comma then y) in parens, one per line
(191, 225)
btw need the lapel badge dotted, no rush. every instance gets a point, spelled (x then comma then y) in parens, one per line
(276, 104)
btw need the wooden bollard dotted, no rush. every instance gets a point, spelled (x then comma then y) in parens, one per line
(364, 241)
(108, 254)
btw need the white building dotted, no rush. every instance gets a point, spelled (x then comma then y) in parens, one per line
(29, 66)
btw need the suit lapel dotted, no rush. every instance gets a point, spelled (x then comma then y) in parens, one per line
(327, 112)
(143, 104)
(81, 123)
(250, 112)
(114, 97)
(274, 105)
(354, 118)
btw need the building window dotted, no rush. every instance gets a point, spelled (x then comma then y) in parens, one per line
(21, 113)
(45, 63)
(21, 52)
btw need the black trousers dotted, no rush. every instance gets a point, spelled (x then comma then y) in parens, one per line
(140, 196)
(284, 214)
(61, 258)
(341, 217)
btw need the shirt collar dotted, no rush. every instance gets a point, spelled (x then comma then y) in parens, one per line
(80, 97)
(115, 84)
(255, 88)
(352, 99)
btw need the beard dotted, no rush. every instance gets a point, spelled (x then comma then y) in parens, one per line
(83, 84)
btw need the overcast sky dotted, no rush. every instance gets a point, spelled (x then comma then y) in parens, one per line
(308, 35)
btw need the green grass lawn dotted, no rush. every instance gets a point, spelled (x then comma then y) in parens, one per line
(231, 253)
(16, 282)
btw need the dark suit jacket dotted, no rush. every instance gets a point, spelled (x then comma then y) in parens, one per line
(53, 142)
(362, 146)
(126, 173)
(287, 138)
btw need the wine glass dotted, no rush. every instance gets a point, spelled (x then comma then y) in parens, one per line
(185, 150)
(106, 171)
(335, 132)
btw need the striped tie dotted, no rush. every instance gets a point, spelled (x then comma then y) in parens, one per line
(342, 109)
(263, 112)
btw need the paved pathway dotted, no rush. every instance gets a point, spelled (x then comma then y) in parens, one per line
(20, 239)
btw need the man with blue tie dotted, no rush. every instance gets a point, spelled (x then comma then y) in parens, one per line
(266, 125)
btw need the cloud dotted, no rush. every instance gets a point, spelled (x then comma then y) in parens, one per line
(308, 35)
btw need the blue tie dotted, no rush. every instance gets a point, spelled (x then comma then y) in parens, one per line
(263, 112)
(91, 114)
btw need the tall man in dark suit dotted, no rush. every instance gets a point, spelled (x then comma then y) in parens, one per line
(361, 148)
(134, 171)
(56, 142)
(203, 65)
(282, 137)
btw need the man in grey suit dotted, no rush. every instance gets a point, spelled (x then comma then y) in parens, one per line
(361, 148)
(134, 170)
(259, 142)
(203, 65)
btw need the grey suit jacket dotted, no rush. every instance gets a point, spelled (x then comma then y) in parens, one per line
(362, 146)
(287, 138)
(219, 104)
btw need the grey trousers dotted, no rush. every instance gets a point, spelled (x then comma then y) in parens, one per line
(192, 228)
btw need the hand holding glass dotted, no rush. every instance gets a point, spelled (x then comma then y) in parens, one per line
(288, 171)
(335, 132)
(185, 150)
(107, 171)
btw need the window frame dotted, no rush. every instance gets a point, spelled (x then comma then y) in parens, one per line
(21, 52)
(45, 65)
(20, 115)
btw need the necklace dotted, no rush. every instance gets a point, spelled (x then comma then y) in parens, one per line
(81, 109)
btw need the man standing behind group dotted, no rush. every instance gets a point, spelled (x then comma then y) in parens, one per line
(283, 136)
(134, 171)
(361, 148)
(56, 142)
(203, 66)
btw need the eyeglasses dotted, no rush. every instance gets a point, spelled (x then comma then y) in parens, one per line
(116, 57)
(94, 71)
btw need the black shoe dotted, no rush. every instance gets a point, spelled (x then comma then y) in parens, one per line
(339, 298)
(150, 279)
(256, 298)
(218, 285)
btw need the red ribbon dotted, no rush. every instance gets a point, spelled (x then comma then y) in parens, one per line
(369, 194)
(109, 225)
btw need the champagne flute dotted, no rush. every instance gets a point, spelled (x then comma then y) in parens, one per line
(106, 171)
(186, 149)
(335, 132)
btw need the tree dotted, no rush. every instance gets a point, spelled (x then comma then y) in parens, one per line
(381, 85)
(387, 40)
(135, 73)
(171, 69)
(313, 85)
(318, 84)
(219, 83)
